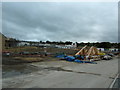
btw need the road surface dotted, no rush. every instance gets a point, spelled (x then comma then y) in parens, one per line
(63, 74)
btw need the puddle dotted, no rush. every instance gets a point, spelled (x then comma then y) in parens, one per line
(15, 70)
(61, 69)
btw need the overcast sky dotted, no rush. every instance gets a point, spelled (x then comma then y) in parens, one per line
(61, 21)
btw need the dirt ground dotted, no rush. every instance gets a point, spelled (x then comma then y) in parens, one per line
(15, 58)
(41, 49)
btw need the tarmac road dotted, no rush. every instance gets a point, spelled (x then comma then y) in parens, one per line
(63, 74)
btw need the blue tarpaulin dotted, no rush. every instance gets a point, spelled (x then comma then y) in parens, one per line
(77, 60)
(73, 59)
(69, 58)
(80, 56)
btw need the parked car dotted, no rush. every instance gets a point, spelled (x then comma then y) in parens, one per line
(24, 53)
(111, 54)
(6, 53)
(106, 57)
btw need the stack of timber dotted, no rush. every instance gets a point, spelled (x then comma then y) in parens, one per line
(90, 53)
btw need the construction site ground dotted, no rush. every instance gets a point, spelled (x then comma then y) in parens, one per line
(60, 74)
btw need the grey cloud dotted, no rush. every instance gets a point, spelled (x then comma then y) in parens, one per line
(60, 21)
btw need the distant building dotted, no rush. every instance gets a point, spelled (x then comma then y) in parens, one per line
(73, 45)
(7, 42)
(113, 49)
(11, 42)
(46, 45)
(110, 49)
(23, 43)
(101, 49)
(2, 40)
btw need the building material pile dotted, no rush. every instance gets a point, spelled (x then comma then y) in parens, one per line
(82, 55)
(89, 53)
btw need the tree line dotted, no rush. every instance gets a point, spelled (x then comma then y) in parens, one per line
(80, 44)
(96, 44)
